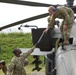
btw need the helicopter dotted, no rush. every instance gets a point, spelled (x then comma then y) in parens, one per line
(34, 4)
(57, 59)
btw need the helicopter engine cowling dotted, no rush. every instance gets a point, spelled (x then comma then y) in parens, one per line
(66, 60)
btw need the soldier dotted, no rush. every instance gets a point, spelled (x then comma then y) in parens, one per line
(16, 66)
(3, 66)
(64, 13)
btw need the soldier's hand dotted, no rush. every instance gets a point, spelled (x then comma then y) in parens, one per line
(46, 30)
(64, 27)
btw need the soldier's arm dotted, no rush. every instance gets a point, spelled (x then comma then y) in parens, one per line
(5, 70)
(29, 52)
(10, 68)
(51, 21)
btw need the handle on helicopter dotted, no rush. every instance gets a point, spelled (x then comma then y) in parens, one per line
(40, 38)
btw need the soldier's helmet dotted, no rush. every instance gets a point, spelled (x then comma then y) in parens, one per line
(52, 8)
(2, 62)
(17, 50)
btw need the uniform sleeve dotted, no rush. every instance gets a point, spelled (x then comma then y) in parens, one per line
(5, 70)
(65, 16)
(10, 68)
(29, 52)
(51, 21)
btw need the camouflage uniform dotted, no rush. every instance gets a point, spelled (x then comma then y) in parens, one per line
(4, 68)
(67, 15)
(16, 66)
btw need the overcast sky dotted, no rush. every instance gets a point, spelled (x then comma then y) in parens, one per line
(10, 13)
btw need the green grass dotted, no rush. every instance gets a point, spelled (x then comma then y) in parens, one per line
(13, 40)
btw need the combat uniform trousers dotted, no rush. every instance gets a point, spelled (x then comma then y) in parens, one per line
(66, 33)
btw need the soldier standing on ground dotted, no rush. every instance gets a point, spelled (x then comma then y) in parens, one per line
(16, 66)
(64, 13)
(3, 66)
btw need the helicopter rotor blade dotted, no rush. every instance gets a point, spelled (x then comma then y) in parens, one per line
(24, 20)
(28, 3)
(36, 4)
